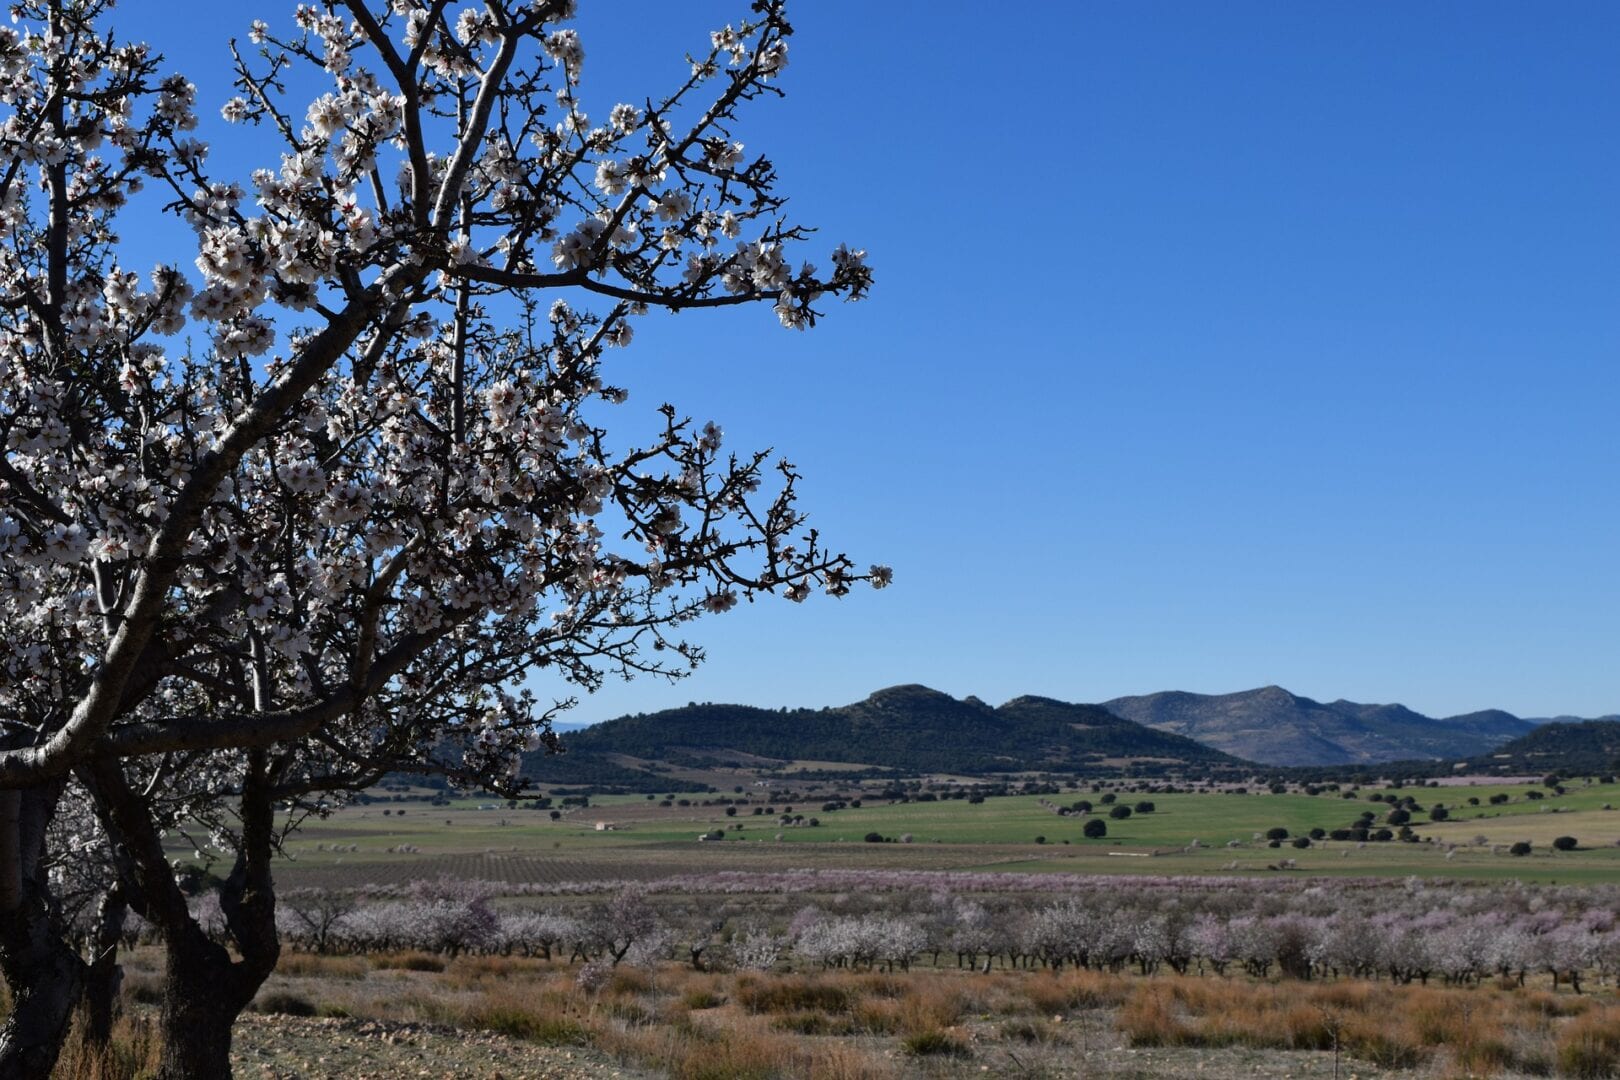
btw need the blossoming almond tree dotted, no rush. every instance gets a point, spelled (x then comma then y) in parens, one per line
(310, 510)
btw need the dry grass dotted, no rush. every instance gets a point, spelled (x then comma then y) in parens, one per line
(513, 1015)
(1066, 991)
(836, 1024)
(1589, 1045)
(132, 1052)
(315, 966)
(407, 961)
(792, 993)
(1467, 1031)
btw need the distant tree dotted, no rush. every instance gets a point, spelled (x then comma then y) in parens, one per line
(1120, 812)
(617, 926)
(1302, 842)
(1094, 829)
(312, 915)
(1520, 848)
(1145, 807)
(1438, 813)
(1277, 833)
(1398, 816)
(1565, 843)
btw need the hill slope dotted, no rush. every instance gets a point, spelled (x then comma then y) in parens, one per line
(912, 729)
(1568, 748)
(1273, 726)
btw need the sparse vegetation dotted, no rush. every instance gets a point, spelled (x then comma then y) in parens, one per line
(686, 1023)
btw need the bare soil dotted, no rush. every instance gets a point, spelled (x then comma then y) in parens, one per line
(294, 1048)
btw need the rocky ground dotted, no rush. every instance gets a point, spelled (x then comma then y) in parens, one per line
(294, 1048)
(291, 1048)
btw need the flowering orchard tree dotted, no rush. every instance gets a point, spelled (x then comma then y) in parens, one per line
(306, 503)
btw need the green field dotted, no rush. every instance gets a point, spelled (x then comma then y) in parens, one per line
(395, 842)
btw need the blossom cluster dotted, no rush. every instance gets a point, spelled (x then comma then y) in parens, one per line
(351, 468)
(1404, 931)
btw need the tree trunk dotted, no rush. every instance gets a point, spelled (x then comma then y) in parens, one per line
(44, 973)
(104, 976)
(46, 977)
(204, 992)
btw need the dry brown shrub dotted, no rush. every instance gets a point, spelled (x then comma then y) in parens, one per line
(1382, 1040)
(628, 981)
(696, 989)
(1149, 1018)
(936, 1042)
(701, 997)
(1066, 991)
(816, 1023)
(1484, 1055)
(794, 993)
(1033, 1030)
(1432, 1019)
(698, 1051)
(841, 1061)
(473, 970)
(507, 1013)
(885, 985)
(303, 965)
(986, 995)
(1549, 1003)
(1201, 996)
(877, 1016)
(1352, 996)
(1256, 1016)
(1589, 1045)
(142, 989)
(407, 961)
(133, 1051)
(418, 1006)
(1305, 1027)
(931, 1004)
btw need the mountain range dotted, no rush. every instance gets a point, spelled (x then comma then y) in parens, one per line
(910, 729)
(914, 730)
(1275, 727)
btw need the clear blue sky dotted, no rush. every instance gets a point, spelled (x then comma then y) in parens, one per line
(1214, 345)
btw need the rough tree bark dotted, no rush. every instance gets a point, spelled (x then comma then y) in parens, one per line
(44, 972)
(104, 977)
(205, 990)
